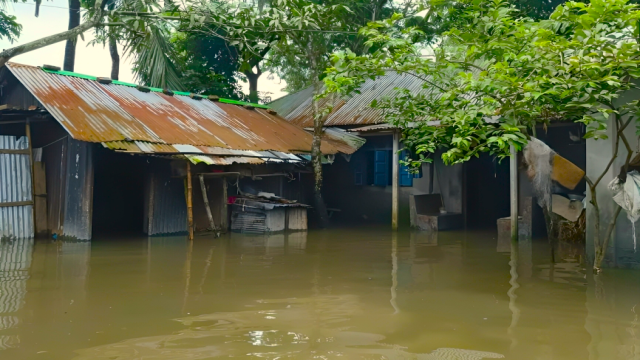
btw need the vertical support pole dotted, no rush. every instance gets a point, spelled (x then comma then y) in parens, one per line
(394, 273)
(394, 175)
(432, 169)
(152, 191)
(513, 174)
(189, 201)
(33, 180)
(205, 198)
(225, 206)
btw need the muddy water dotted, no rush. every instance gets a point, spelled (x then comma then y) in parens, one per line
(324, 295)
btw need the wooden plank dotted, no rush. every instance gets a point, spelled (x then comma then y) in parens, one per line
(14, 152)
(40, 182)
(16, 203)
(205, 198)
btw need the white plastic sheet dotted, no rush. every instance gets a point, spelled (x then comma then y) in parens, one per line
(627, 195)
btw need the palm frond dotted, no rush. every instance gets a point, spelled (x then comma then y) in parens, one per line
(153, 64)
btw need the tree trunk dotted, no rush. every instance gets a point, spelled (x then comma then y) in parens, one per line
(115, 58)
(316, 159)
(70, 48)
(253, 85)
(602, 242)
(7, 54)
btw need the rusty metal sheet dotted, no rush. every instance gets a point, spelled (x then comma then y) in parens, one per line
(345, 142)
(209, 155)
(95, 112)
(354, 110)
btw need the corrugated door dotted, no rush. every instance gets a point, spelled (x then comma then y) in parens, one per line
(78, 207)
(167, 206)
(55, 159)
(16, 222)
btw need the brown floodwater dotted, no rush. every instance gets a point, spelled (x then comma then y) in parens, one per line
(338, 294)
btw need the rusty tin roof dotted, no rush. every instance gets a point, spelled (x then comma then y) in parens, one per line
(355, 110)
(107, 113)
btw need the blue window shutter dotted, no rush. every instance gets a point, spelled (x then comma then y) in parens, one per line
(380, 168)
(405, 176)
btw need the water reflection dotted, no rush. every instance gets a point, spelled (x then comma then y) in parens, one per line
(365, 294)
(15, 259)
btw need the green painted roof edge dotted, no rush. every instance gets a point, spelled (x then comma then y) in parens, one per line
(180, 93)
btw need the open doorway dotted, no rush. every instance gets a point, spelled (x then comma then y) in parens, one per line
(118, 196)
(487, 181)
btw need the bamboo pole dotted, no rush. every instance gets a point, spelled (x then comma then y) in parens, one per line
(394, 175)
(212, 224)
(33, 180)
(189, 201)
(513, 174)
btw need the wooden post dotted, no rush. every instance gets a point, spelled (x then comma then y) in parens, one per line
(189, 201)
(394, 175)
(513, 174)
(152, 190)
(33, 180)
(212, 224)
(224, 216)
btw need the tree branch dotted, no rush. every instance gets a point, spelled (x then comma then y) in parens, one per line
(7, 54)
(615, 153)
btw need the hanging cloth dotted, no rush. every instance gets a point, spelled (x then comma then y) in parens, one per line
(627, 195)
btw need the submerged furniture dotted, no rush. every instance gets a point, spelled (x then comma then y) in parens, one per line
(260, 217)
(426, 214)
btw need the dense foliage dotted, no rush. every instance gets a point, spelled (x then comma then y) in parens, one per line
(497, 74)
(208, 65)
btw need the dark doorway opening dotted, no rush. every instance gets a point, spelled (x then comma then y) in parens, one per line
(118, 193)
(487, 181)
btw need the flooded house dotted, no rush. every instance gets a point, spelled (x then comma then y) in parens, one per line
(113, 157)
(472, 195)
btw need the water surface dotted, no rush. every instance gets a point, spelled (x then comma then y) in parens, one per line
(339, 294)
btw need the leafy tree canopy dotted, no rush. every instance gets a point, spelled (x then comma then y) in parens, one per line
(497, 74)
(208, 65)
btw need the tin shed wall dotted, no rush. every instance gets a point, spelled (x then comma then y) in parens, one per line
(166, 208)
(55, 159)
(78, 209)
(16, 222)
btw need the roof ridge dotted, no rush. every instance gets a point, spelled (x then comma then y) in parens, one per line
(123, 83)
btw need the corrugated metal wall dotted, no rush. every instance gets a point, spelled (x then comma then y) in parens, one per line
(78, 207)
(16, 222)
(55, 159)
(165, 204)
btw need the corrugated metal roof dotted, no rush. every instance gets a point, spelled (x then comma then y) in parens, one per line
(345, 142)
(355, 110)
(368, 128)
(207, 154)
(95, 112)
